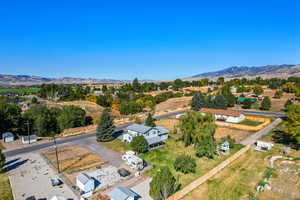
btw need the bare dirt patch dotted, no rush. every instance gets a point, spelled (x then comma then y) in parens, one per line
(168, 123)
(74, 159)
(237, 135)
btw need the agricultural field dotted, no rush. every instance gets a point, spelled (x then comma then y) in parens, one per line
(19, 91)
(239, 180)
(166, 155)
(5, 190)
(73, 159)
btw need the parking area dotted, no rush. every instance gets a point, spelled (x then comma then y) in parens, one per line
(30, 177)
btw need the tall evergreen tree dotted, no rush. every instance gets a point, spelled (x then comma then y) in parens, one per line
(150, 121)
(2, 160)
(105, 127)
(163, 184)
(265, 104)
(247, 103)
(198, 101)
(136, 86)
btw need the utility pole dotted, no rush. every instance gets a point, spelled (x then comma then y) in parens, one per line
(28, 131)
(56, 152)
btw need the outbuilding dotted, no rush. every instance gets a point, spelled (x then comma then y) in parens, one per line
(123, 193)
(29, 139)
(8, 137)
(85, 183)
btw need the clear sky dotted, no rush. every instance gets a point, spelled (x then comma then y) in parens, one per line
(145, 39)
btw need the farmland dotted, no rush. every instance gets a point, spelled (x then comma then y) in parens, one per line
(19, 91)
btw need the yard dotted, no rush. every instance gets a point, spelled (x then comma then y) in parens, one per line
(248, 122)
(5, 190)
(74, 159)
(166, 155)
(117, 145)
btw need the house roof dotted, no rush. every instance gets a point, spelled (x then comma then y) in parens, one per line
(83, 178)
(139, 128)
(7, 134)
(122, 193)
(162, 130)
(241, 99)
(221, 112)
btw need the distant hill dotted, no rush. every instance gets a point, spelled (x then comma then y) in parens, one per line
(36, 80)
(268, 71)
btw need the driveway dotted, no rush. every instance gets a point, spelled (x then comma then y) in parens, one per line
(29, 176)
(143, 189)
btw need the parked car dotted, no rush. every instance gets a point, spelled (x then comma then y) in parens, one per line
(123, 172)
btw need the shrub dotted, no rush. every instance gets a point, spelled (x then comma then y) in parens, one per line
(139, 144)
(185, 164)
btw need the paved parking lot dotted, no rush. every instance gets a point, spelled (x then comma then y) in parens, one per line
(29, 176)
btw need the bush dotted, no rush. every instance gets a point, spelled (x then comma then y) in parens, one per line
(139, 144)
(185, 164)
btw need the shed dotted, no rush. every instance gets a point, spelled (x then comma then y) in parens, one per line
(263, 146)
(123, 193)
(225, 147)
(85, 182)
(29, 139)
(8, 137)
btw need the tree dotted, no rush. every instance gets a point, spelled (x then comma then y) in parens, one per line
(221, 81)
(163, 184)
(104, 100)
(10, 117)
(34, 100)
(150, 121)
(185, 164)
(278, 94)
(71, 117)
(130, 107)
(258, 90)
(139, 144)
(219, 102)
(198, 101)
(2, 161)
(105, 127)
(287, 103)
(292, 125)
(206, 147)
(265, 104)
(247, 103)
(136, 86)
(230, 98)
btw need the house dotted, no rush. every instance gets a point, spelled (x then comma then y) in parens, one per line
(231, 116)
(85, 183)
(263, 146)
(8, 137)
(123, 193)
(29, 139)
(155, 136)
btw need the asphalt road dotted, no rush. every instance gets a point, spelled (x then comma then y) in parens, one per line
(37, 147)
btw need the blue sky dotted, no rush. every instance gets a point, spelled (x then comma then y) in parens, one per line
(145, 39)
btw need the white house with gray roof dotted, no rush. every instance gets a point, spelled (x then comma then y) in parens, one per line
(154, 135)
(123, 193)
(85, 183)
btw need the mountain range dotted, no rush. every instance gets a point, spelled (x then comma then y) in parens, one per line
(268, 71)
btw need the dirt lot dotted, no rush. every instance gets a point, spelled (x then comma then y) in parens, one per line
(237, 135)
(168, 123)
(74, 159)
(173, 104)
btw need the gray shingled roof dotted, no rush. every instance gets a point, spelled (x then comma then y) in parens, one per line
(162, 130)
(122, 193)
(83, 178)
(139, 128)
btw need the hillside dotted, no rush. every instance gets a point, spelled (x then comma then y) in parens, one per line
(268, 71)
(36, 80)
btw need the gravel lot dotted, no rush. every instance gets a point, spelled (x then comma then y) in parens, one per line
(29, 176)
(143, 189)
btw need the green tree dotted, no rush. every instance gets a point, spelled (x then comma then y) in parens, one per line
(150, 121)
(71, 117)
(185, 164)
(34, 100)
(206, 147)
(198, 101)
(163, 184)
(219, 102)
(230, 98)
(104, 100)
(105, 127)
(258, 90)
(287, 103)
(292, 125)
(136, 86)
(139, 144)
(221, 81)
(265, 104)
(247, 103)
(10, 117)
(278, 94)
(130, 107)
(2, 161)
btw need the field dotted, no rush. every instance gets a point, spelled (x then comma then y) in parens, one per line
(73, 159)
(173, 104)
(20, 91)
(168, 123)
(5, 190)
(166, 155)
(240, 179)
(237, 135)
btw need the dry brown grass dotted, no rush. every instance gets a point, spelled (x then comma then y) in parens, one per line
(168, 123)
(73, 159)
(173, 104)
(237, 135)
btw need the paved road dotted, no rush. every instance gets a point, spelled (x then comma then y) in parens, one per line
(253, 138)
(37, 147)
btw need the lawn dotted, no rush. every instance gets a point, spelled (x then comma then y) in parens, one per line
(117, 145)
(250, 123)
(5, 190)
(166, 155)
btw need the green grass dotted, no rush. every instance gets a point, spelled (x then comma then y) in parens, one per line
(1, 146)
(20, 91)
(5, 190)
(166, 155)
(117, 145)
(250, 123)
